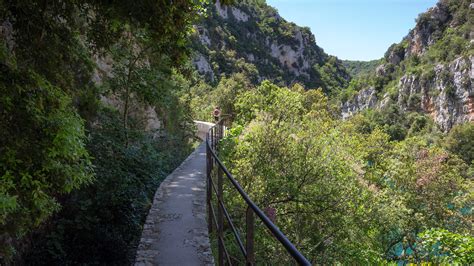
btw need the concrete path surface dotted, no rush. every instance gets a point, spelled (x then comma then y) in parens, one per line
(175, 231)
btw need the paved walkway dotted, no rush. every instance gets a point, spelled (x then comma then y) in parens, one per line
(175, 232)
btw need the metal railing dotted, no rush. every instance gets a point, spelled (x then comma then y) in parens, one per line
(214, 135)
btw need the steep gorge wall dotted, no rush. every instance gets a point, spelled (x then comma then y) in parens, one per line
(448, 97)
(253, 38)
(443, 89)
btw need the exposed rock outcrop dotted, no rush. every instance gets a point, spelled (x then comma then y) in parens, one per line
(439, 81)
(6, 33)
(222, 10)
(247, 37)
(429, 23)
(365, 99)
(293, 56)
(239, 15)
(203, 66)
(203, 35)
(448, 96)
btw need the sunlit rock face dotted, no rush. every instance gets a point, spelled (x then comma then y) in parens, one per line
(203, 66)
(442, 89)
(255, 38)
(424, 33)
(365, 99)
(448, 96)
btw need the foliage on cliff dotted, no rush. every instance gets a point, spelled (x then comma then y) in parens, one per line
(68, 173)
(250, 37)
(360, 68)
(427, 72)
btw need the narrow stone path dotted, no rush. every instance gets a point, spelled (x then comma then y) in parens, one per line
(175, 232)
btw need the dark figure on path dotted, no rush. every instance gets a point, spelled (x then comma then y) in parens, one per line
(216, 113)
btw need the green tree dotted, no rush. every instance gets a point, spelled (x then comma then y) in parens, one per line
(47, 52)
(42, 153)
(228, 90)
(102, 223)
(342, 191)
(433, 186)
(460, 141)
(311, 178)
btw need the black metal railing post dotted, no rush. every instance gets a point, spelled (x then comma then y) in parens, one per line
(249, 244)
(213, 143)
(221, 129)
(217, 170)
(208, 187)
(220, 216)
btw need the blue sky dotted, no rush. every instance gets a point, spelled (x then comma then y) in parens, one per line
(354, 29)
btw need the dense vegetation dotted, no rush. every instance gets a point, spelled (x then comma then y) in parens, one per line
(347, 191)
(385, 186)
(78, 166)
(96, 106)
(360, 68)
(255, 46)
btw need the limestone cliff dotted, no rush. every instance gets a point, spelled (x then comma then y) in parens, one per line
(430, 71)
(251, 37)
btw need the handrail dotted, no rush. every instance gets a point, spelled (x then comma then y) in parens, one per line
(214, 134)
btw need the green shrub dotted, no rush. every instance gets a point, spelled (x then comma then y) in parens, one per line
(460, 141)
(42, 153)
(444, 247)
(102, 222)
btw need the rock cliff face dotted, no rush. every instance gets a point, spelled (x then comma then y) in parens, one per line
(365, 99)
(251, 37)
(426, 31)
(432, 68)
(142, 112)
(448, 97)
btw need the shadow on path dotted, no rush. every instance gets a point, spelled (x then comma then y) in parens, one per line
(175, 231)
